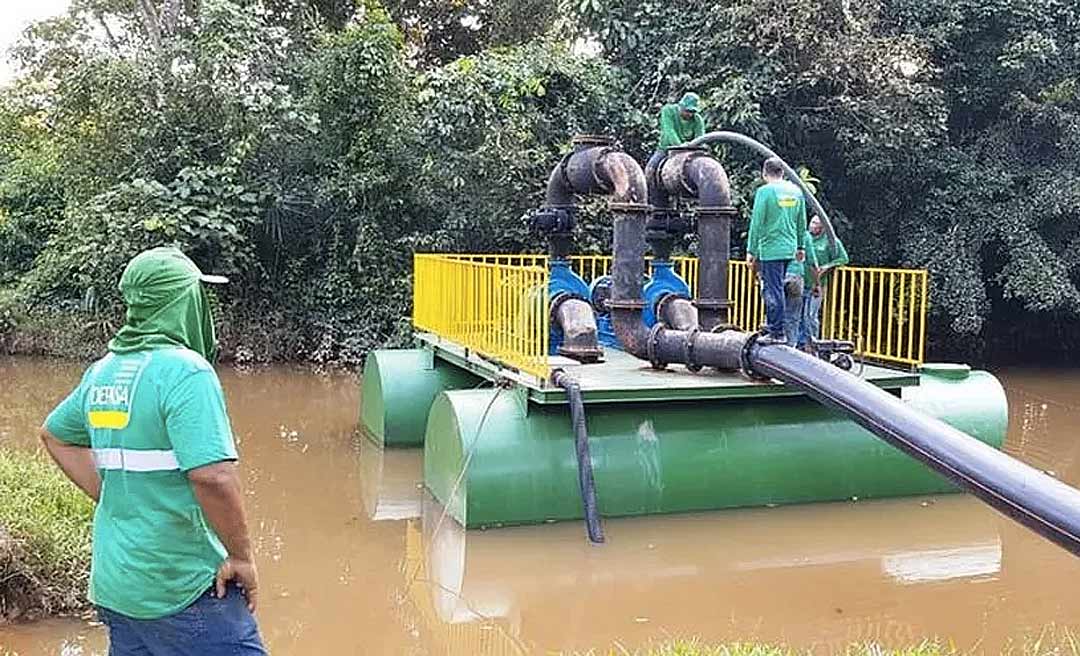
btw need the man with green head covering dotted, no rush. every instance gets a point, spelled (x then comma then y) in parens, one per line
(680, 123)
(146, 436)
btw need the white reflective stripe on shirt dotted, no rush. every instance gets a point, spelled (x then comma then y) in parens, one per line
(136, 461)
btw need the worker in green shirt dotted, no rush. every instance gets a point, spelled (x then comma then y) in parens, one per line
(829, 256)
(800, 287)
(146, 436)
(680, 123)
(777, 236)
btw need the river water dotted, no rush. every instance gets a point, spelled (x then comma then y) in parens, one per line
(355, 559)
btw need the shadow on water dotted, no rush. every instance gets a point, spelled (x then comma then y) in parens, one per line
(357, 559)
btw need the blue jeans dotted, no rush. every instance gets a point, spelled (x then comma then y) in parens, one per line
(208, 627)
(812, 320)
(804, 333)
(772, 291)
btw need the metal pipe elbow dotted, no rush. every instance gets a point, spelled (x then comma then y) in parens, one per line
(576, 320)
(623, 176)
(631, 331)
(710, 180)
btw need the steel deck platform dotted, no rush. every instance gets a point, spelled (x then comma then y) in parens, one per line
(622, 378)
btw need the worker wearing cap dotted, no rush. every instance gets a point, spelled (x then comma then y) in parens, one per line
(830, 255)
(680, 123)
(146, 436)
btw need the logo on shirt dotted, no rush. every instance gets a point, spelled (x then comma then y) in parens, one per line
(109, 404)
(787, 201)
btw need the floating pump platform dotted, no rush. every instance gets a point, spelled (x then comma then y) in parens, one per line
(662, 441)
(540, 396)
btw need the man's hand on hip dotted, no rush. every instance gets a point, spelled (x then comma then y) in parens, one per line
(245, 575)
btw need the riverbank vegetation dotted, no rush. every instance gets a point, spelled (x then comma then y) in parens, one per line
(307, 147)
(44, 539)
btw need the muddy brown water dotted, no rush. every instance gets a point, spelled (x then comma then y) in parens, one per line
(356, 560)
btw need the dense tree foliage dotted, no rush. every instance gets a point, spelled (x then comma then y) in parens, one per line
(308, 147)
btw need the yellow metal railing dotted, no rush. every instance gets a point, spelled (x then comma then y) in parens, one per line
(883, 311)
(495, 305)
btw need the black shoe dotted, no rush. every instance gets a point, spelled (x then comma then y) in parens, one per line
(769, 340)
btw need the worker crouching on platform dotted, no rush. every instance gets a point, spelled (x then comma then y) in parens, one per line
(778, 235)
(680, 123)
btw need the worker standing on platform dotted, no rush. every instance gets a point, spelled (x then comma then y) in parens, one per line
(829, 256)
(680, 123)
(778, 235)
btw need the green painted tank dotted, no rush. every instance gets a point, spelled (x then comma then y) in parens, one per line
(397, 391)
(682, 456)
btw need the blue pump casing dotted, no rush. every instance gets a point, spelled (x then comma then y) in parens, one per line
(562, 281)
(663, 281)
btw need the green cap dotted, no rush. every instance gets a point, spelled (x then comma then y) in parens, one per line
(690, 102)
(163, 268)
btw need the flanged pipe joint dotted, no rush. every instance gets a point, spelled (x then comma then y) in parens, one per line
(595, 166)
(693, 173)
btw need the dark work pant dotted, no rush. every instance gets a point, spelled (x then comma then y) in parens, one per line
(772, 291)
(651, 171)
(208, 627)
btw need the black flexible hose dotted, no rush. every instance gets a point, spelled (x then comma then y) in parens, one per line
(1039, 501)
(581, 441)
(766, 152)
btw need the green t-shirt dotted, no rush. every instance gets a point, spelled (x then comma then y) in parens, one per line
(149, 416)
(827, 255)
(778, 222)
(674, 131)
(805, 268)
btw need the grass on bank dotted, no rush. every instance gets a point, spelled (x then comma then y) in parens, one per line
(44, 538)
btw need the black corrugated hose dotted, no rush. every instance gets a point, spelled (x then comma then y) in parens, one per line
(584, 460)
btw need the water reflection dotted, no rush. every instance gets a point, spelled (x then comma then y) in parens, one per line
(392, 481)
(683, 573)
(849, 567)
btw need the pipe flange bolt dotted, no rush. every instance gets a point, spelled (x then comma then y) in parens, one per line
(710, 212)
(654, 336)
(629, 208)
(592, 140)
(688, 351)
(747, 366)
(633, 304)
(711, 303)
